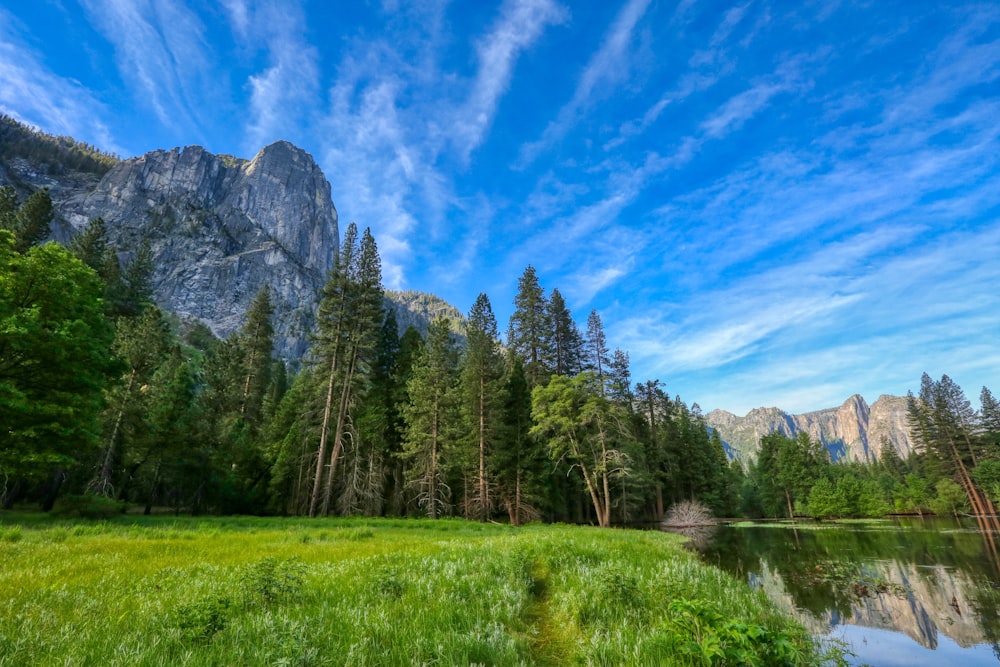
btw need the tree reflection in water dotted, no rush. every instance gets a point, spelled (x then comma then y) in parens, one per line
(933, 581)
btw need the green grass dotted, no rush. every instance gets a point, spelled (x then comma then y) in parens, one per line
(241, 591)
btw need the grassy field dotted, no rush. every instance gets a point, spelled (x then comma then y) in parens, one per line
(242, 591)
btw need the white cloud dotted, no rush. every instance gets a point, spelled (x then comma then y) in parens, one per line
(606, 67)
(285, 93)
(33, 94)
(161, 54)
(519, 26)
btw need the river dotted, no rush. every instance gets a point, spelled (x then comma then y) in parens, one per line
(908, 592)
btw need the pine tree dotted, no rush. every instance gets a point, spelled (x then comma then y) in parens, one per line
(518, 459)
(597, 350)
(32, 220)
(256, 343)
(620, 380)
(944, 424)
(431, 418)
(482, 375)
(529, 331)
(350, 313)
(567, 343)
(142, 344)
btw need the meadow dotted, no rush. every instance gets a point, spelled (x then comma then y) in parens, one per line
(248, 591)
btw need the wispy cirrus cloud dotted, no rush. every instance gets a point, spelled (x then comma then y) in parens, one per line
(386, 135)
(286, 92)
(520, 24)
(607, 66)
(161, 54)
(32, 93)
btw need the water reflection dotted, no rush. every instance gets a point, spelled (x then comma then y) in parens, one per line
(931, 581)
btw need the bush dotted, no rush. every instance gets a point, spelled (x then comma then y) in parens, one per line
(200, 620)
(272, 580)
(87, 506)
(688, 513)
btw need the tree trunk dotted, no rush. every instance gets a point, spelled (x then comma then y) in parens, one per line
(323, 438)
(484, 500)
(338, 440)
(102, 483)
(432, 486)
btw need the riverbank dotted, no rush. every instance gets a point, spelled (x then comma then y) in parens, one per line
(200, 591)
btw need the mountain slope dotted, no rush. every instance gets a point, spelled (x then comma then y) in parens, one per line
(220, 229)
(853, 431)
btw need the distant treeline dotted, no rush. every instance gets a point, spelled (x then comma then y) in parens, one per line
(57, 154)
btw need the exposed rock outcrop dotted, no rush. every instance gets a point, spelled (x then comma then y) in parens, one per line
(853, 431)
(220, 229)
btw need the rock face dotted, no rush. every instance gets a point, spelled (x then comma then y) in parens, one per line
(220, 230)
(854, 431)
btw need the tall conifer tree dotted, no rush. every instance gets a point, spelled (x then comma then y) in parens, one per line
(431, 417)
(529, 332)
(482, 374)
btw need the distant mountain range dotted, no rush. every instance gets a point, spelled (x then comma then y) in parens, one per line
(853, 432)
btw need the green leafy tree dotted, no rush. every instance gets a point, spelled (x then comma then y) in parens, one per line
(55, 359)
(786, 470)
(586, 431)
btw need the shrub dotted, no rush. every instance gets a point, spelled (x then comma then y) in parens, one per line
(201, 619)
(688, 513)
(88, 506)
(272, 580)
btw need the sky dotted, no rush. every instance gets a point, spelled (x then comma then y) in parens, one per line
(768, 203)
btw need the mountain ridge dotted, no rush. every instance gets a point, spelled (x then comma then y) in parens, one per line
(853, 431)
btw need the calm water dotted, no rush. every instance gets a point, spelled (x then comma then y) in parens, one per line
(909, 592)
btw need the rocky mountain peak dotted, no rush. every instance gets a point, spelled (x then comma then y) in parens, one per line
(222, 228)
(853, 431)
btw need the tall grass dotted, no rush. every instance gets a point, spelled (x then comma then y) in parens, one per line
(166, 591)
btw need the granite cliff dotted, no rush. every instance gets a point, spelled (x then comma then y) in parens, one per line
(854, 431)
(220, 229)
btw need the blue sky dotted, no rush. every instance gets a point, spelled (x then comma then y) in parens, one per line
(769, 203)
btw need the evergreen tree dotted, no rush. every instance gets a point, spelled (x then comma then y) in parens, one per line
(517, 458)
(481, 378)
(943, 423)
(90, 246)
(529, 331)
(411, 348)
(134, 290)
(431, 416)
(620, 379)
(597, 350)
(30, 223)
(567, 343)
(142, 345)
(256, 343)
(350, 313)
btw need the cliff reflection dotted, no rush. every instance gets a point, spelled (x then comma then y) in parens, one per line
(922, 579)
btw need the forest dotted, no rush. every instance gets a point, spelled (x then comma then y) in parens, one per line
(109, 402)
